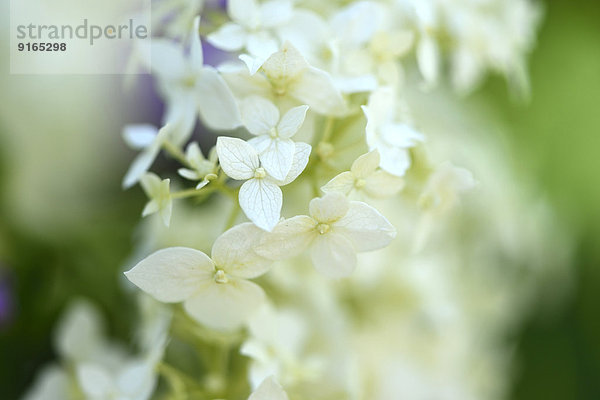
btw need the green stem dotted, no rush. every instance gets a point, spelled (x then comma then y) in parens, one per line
(235, 212)
(175, 152)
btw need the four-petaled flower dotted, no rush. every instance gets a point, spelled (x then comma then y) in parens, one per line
(335, 231)
(260, 196)
(364, 178)
(214, 290)
(159, 193)
(273, 135)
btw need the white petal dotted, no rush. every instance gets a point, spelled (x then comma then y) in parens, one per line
(196, 56)
(173, 274)
(259, 115)
(286, 64)
(366, 164)
(382, 184)
(269, 389)
(140, 166)
(216, 103)
(277, 158)
(428, 59)
(261, 45)
(288, 239)
(79, 333)
(394, 160)
(244, 12)
(316, 88)
(233, 252)
(188, 174)
(181, 116)
(275, 12)
(356, 23)
(329, 208)
(237, 158)
(139, 136)
(225, 306)
(136, 380)
(261, 143)
(95, 381)
(333, 255)
(301, 156)
(291, 121)
(229, 37)
(342, 183)
(365, 227)
(252, 63)
(261, 201)
(50, 384)
(167, 59)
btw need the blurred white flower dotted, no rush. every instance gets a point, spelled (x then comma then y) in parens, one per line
(443, 188)
(336, 230)
(215, 292)
(252, 27)
(203, 170)
(260, 196)
(365, 178)
(390, 137)
(159, 194)
(190, 87)
(273, 141)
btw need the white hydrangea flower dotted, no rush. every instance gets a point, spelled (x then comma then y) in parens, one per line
(191, 87)
(335, 231)
(391, 138)
(287, 74)
(159, 193)
(443, 188)
(273, 142)
(204, 170)
(147, 138)
(252, 27)
(365, 178)
(260, 196)
(428, 50)
(214, 290)
(269, 389)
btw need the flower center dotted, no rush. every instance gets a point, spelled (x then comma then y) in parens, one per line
(260, 173)
(359, 183)
(220, 276)
(273, 132)
(323, 228)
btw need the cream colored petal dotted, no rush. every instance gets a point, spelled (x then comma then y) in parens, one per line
(278, 157)
(233, 252)
(365, 227)
(269, 389)
(316, 89)
(289, 238)
(173, 274)
(225, 306)
(333, 255)
(216, 104)
(381, 184)
(366, 164)
(291, 121)
(329, 208)
(342, 183)
(299, 162)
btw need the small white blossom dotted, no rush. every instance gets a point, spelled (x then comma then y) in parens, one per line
(147, 138)
(214, 291)
(443, 188)
(391, 138)
(252, 27)
(260, 196)
(159, 193)
(365, 178)
(269, 389)
(204, 170)
(191, 87)
(273, 135)
(335, 231)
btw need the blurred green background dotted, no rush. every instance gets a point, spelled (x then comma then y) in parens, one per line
(555, 139)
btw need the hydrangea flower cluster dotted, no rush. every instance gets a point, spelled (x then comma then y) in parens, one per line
(315, 140)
